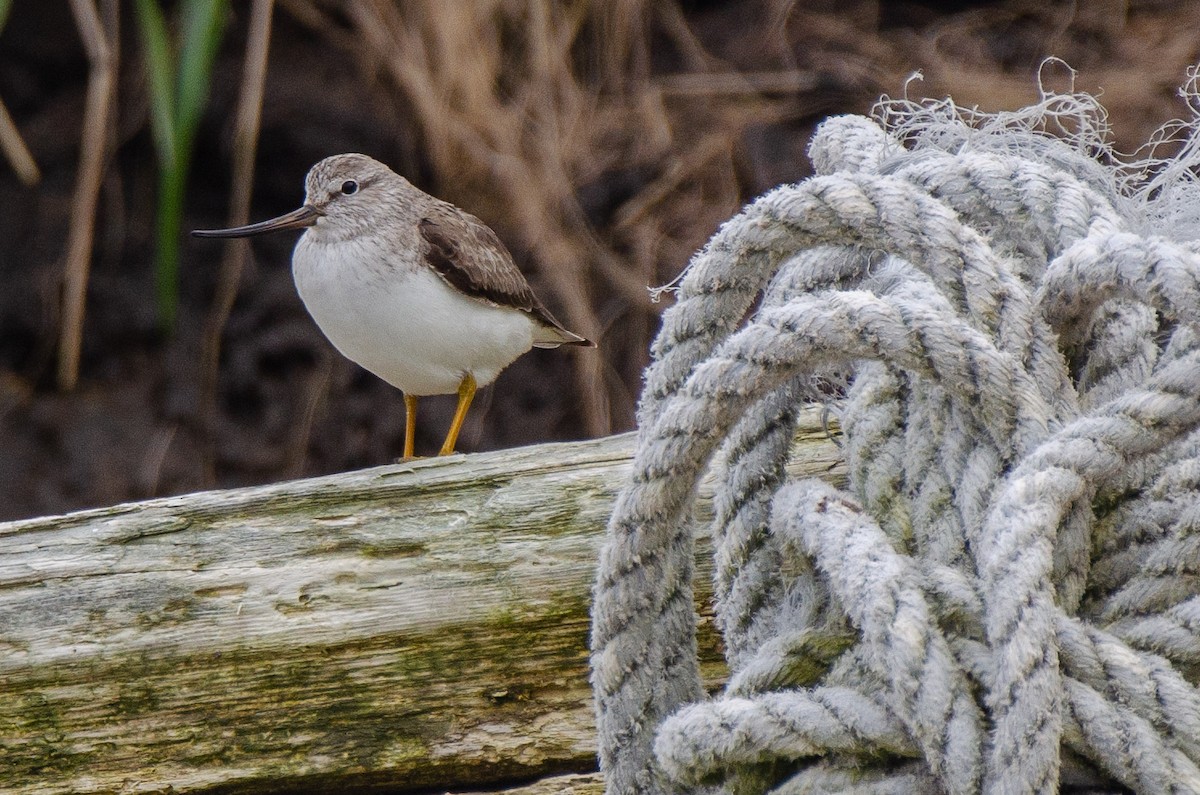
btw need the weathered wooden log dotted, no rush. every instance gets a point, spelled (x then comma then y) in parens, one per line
(417, 625)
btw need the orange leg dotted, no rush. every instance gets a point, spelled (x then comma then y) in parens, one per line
(466, 392)
(410, 425)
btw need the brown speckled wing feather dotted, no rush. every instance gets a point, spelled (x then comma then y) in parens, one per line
(469, 255)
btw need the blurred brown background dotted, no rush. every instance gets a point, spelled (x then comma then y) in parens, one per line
(604, 140)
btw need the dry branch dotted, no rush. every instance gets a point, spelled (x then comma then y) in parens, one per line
(418, 625)
(245, 147)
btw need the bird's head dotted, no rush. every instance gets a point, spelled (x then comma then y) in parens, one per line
(344, 196)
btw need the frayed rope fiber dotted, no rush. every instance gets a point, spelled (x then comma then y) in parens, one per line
(1006, 597)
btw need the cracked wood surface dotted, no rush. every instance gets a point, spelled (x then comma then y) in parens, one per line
(420, 625)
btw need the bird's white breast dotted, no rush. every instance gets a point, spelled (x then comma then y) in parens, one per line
(402, 321)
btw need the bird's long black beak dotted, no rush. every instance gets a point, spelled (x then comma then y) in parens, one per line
(297, 219)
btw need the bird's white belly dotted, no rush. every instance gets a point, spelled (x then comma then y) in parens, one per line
(403, 322)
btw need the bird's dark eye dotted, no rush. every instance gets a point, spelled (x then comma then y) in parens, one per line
(349, 187)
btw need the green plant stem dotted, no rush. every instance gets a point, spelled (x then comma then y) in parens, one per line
(171, 190)
(179, 79)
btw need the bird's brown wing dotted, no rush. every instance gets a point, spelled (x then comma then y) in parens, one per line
(469, 255)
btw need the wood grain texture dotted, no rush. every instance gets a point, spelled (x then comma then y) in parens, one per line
(419, 625)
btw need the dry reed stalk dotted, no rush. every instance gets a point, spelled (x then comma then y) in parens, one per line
(245, 147)
(740, 83)
(101, 42)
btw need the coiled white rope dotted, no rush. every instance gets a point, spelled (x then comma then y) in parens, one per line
(1007, 597)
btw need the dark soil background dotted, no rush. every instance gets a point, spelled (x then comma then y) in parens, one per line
(603, 165)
